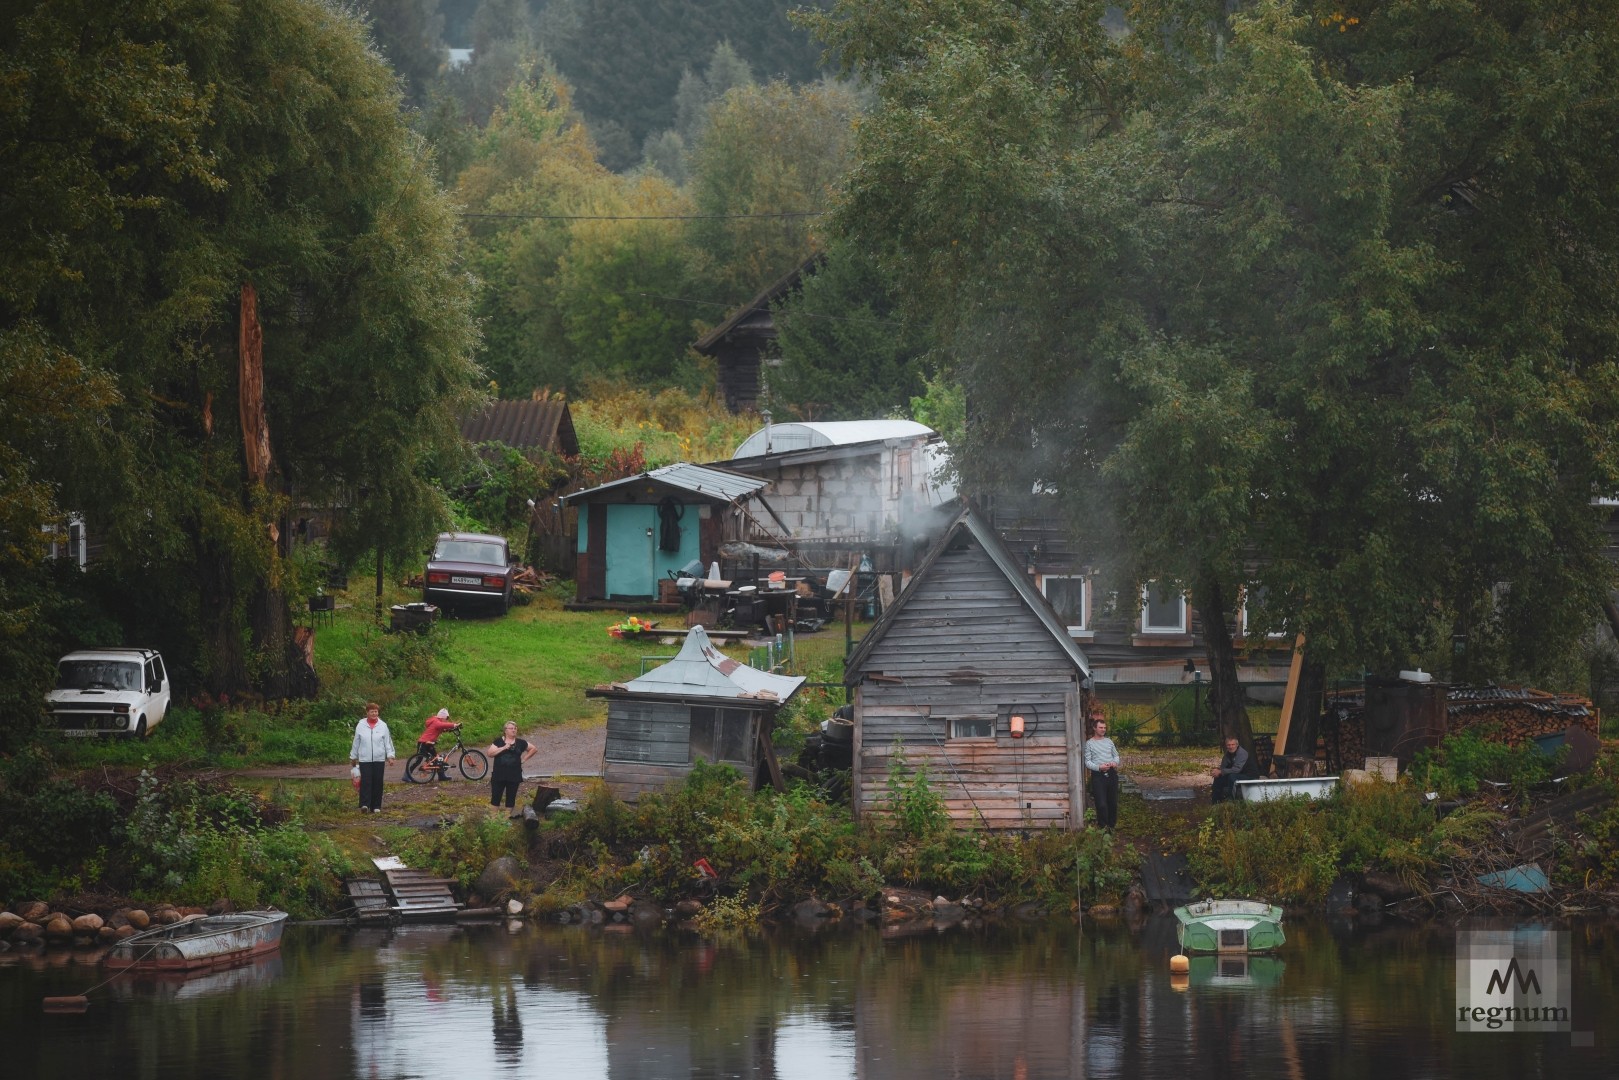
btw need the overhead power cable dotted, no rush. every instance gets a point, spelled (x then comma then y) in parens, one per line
(648, 217)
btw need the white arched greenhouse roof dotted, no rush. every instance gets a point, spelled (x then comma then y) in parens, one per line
(782, 438)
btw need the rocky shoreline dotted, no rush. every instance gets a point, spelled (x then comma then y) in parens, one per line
(36, 924)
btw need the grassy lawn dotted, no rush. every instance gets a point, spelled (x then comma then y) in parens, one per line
(532, 666)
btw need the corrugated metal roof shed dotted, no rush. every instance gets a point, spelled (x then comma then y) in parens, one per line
(524, 425)
(684, 476)
(782, 438)
(702, 671)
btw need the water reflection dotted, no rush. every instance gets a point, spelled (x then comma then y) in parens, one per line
(1023, 1002)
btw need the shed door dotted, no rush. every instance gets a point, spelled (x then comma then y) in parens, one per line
(632, 544)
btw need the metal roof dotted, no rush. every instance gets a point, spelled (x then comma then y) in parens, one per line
(781, 438)
(701, 670)
(683, 476)
(524, 425)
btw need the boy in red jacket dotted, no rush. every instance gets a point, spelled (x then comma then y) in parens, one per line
(427, 742)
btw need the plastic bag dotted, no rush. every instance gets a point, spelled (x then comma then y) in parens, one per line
(354, 775)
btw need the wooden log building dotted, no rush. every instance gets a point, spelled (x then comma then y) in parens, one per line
(967, 655)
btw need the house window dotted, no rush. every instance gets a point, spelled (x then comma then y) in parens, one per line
(972, 727)
(1163, 611)
(73, 546)
(1254, 597)
(721, 734)
(1071, 597)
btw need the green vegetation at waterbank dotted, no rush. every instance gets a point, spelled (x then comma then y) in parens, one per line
(1292, 850)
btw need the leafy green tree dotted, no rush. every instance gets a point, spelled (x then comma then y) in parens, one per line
(634, 80)
(845, 355)
(763, 171)
(583, 277)
(409, 34)
(156, 198)
(697, 93)
(1281, 296)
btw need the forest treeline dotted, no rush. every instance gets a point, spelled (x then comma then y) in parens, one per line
(620, 201)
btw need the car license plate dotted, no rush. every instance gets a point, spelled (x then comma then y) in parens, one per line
(459, 580)
(78, 733)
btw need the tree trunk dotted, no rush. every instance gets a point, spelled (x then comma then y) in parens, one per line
(1306, 723)
(1226, 698)
(224, 662)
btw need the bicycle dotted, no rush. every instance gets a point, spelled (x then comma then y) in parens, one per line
(421, 768)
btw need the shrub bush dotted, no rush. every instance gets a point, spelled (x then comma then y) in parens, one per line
(1283, 851)
(1459, 764)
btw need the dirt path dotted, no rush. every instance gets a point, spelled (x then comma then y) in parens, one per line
(571, 752)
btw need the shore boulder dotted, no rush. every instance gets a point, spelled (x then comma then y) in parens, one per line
(498, 878)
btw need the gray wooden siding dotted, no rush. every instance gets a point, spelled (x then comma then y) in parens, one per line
(629, 781)
(965, 644)
(648, 732)
(965, 614)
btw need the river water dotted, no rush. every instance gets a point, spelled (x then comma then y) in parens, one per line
(1020, 1002)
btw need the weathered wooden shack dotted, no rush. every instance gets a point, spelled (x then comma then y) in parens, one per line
(700, 706)
(967, 655)
(634, 531)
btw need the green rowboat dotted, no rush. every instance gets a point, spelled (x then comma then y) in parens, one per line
(1229, 926)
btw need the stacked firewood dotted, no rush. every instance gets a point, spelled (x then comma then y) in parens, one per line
(530, 580)
(1511, 715)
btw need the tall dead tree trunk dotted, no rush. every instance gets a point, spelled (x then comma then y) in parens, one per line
(1226, 697)
(283, 670)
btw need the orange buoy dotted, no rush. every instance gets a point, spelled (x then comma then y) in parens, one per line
(1179, 964)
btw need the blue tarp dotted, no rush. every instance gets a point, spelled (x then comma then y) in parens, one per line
(1526, 878)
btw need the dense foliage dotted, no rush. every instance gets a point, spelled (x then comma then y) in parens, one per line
(158, 838)
(1266, 282)
(241, 145)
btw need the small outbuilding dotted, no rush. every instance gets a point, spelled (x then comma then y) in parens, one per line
(971, 674)
(700, 706)
(634, 532)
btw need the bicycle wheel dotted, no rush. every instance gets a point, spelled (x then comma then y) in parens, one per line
(474, 765)
(416, 771)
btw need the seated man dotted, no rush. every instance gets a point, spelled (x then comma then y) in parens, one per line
(1235, 764)
(427, 742)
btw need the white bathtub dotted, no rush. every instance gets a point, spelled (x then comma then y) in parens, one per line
(1315, 787)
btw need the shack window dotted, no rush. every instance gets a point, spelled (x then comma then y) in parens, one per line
(1163, 611)
(721, 734)
(972, 727)
(1071, 597)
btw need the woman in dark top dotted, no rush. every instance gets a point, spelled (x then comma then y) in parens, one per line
(508, 753)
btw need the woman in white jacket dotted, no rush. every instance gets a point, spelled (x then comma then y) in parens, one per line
(373, 748)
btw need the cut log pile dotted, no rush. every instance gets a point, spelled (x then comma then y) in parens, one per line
(529, 579)
(1510, 715)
